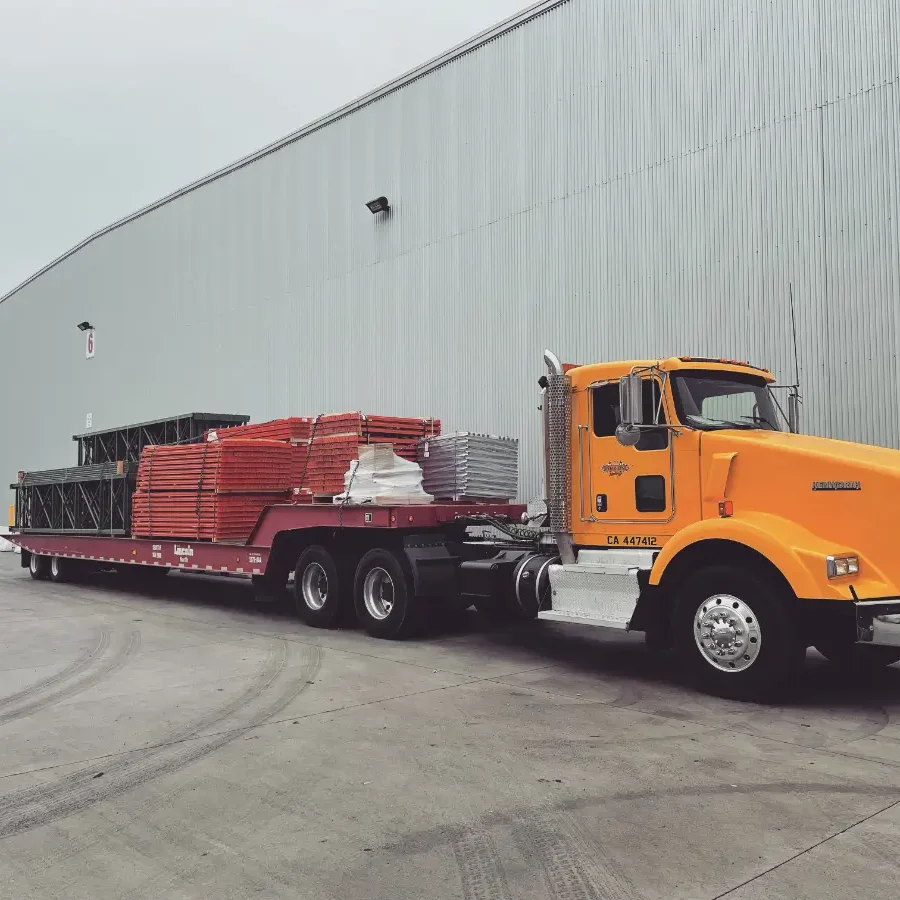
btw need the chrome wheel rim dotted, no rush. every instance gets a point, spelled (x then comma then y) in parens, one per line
(54, 567)
(314, 586)
(378, 593)
(727, 633)
(33, 563)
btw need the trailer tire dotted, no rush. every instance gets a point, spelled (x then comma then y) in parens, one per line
(318, 592)
(384, 596)
(735, 633)
(39, 567)
(60, 570)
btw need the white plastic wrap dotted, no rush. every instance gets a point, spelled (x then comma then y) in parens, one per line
(380, 476)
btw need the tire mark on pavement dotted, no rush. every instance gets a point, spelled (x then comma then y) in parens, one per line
(60, 677)
(571, 869)
(73, 688)
(480, 869)
(431, 838)
(32, 807)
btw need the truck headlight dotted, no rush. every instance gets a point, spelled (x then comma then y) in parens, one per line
(838, 566)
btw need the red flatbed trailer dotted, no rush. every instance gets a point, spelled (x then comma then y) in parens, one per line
(390, 563)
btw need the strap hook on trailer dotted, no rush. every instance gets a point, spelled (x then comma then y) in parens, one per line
(309, 447)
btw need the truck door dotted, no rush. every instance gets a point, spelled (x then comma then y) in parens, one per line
(633, 496)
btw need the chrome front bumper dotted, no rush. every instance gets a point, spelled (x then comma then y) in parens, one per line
(878, 622)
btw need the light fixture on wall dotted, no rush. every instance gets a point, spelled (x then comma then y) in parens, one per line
(379, 205)
(84, 326)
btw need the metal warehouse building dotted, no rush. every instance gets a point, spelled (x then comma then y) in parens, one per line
(608, 179)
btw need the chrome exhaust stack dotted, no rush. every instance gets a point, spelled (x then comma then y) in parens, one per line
(557, 419)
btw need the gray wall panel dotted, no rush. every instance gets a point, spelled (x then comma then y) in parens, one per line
(610, 180)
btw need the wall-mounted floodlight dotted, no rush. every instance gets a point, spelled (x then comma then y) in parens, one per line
(85, 326)
(378, 206)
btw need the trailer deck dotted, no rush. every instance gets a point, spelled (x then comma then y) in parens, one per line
(252, 558)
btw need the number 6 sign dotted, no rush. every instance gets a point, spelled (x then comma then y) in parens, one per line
(91, 344)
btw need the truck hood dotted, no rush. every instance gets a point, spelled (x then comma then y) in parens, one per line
(845, 495)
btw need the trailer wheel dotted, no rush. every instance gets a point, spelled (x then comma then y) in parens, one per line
(383, 595)
(734, 631)
(38, 567)
(60, 570)
(317, 588)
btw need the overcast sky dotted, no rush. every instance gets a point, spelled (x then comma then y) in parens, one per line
(106, 105)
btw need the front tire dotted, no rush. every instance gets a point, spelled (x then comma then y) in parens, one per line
(384, 597)
(735, 634)
(318, 591)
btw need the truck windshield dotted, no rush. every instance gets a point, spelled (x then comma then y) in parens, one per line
(711, 401)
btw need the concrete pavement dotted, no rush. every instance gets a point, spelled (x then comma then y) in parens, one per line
(186, 741)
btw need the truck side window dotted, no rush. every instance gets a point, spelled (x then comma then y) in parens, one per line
(606, 410)
(606, 414)
(657, 438)
(650, 493)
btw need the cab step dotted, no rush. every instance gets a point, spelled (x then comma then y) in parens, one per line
(601, 588)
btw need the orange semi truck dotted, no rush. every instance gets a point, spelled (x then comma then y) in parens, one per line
(682, 509)
(678, 503)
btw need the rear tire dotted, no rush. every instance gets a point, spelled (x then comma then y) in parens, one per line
(318, 592)
(384, 596)
(60, 570)
(39, 567)
(734, 631)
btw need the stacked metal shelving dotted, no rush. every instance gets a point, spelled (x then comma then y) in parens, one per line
(93, 499)
(464, 465)
(127, 441)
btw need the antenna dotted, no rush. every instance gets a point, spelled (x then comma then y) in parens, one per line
(794, 398)
(794, 332)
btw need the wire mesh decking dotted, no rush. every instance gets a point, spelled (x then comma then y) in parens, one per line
(83, 500)
(127, 441)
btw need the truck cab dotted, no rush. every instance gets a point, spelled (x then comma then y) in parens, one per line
(682, 504)
(640, 494)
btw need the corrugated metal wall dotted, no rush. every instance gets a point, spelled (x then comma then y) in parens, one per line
(609, 179)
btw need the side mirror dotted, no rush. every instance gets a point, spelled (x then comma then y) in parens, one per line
(631, 410)
(628, 435)
(631, 400)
